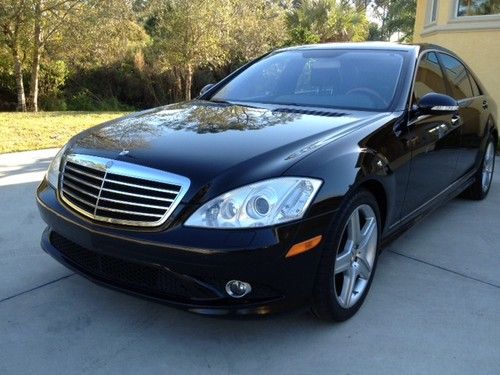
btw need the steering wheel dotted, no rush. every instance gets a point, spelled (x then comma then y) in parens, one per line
(369, 92)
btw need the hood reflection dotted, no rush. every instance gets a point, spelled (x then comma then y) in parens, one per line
(138, 130)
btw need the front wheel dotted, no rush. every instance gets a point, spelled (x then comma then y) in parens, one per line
(349, 259)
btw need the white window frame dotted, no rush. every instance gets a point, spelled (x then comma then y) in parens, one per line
(456, 16)
(431, 16)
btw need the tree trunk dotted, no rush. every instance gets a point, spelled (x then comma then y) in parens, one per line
(18, 70)
(35, 67)
(188, 82)
(178, 86)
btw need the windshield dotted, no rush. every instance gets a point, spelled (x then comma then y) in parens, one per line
(352, 79)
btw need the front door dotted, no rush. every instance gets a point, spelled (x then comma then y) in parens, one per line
(434, 140)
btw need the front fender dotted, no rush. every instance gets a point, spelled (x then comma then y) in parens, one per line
(345, 172)
(376, 158)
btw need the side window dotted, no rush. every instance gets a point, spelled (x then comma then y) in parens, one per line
(429, 77)
(457, 76)
(475, 87)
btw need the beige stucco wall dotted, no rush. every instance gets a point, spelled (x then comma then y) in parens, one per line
(475, 39)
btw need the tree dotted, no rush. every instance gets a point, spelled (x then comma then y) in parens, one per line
(84, 30)
(315, 21)
(254, 28)
(90, 53)
(396, 16)
(85, 21)
(189, 35)
(186, 36)
(14, 19)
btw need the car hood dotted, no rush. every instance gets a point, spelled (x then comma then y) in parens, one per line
(215, 143)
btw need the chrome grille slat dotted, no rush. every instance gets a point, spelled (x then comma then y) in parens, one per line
(128, 212)
(84, 173)
(140, 187)
(118, 192)
(137, 195)
(74, 187)
(80, 199)
(133, 203)
(66, 175)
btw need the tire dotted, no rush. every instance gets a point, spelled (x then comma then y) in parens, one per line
(482, 181)
(344, 263)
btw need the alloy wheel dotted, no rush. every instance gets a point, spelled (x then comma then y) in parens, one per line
(356, 256)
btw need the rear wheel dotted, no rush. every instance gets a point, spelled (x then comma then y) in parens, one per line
(349, 260)
(482, 183)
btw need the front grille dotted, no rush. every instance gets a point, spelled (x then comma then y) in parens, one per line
(119, 192)
(143, 278)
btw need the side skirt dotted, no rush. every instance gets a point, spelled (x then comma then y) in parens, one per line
(452, 191)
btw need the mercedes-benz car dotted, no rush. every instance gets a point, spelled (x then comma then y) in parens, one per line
(278, 186)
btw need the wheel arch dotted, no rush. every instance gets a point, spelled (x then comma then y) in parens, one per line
(494, 132)
(491, 128)
(377, 189)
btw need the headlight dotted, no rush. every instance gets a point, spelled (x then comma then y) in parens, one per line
(53, 171)
(264, 203)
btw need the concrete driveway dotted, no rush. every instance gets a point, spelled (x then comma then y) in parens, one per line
(434, 307)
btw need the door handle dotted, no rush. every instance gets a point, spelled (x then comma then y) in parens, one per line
(456, 121)
(412, 142)
(485, 104)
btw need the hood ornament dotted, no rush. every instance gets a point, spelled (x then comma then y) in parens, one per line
(124, 152)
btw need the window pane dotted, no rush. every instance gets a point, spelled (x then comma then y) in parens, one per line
(429, 77)
(475, 88)
(457, 76)
(434, 10)
(478, 7)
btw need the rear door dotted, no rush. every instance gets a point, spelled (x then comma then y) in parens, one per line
(434, 140)
(472, 104)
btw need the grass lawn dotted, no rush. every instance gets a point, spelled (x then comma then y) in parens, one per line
(34, 131)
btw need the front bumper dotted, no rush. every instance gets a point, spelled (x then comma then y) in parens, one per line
(187, 267)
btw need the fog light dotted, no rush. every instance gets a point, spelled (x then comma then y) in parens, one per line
(238, 289)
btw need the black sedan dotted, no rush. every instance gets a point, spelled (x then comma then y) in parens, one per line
(278, 186)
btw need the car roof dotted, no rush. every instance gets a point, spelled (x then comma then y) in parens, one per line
(416, 47)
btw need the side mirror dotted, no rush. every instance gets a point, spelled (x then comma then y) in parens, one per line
(205, 88)
(436, 104)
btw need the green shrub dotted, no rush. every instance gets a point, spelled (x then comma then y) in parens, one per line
(53, 103)
(84, 100)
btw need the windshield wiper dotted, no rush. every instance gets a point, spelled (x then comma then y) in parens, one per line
(221, 101)
(241, 104)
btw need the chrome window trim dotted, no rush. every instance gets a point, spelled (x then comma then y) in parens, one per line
(118, 167)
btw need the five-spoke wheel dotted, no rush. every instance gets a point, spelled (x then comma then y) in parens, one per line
(349, 259)
(356, 255)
